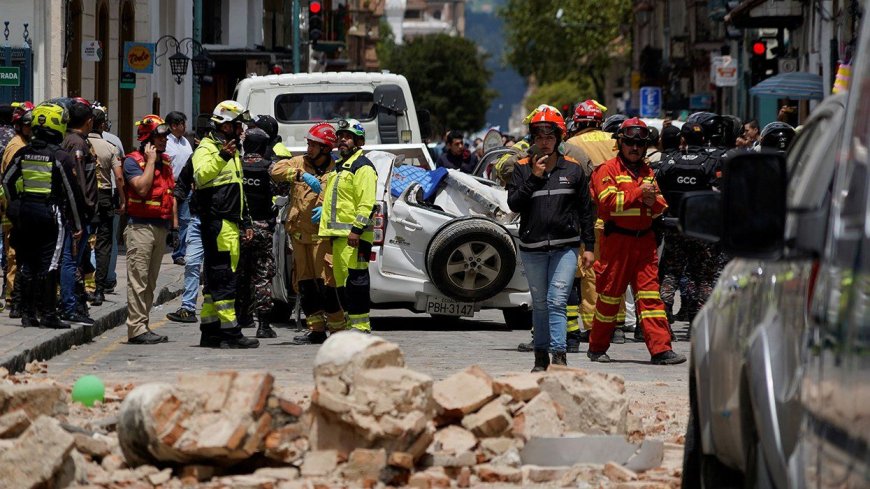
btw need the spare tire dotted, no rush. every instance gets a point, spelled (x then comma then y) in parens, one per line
(471, 259)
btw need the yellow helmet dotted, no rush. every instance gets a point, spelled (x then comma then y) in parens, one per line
(50, 116)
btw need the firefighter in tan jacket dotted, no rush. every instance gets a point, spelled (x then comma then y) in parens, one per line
(312, 255)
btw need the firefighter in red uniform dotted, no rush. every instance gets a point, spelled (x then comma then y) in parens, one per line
(628, 200)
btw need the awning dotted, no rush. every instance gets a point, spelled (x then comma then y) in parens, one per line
(791, 85)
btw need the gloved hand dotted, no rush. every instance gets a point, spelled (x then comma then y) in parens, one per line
(172, 239)
(312, 182)
(315, 216)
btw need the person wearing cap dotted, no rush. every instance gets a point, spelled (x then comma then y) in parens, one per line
(74, 308)
(691, 170)
(550, 191)
(43, 205)
(312, 254)
(217, 174)
(107, 159)
(22, 117)
(152, 222)
(349, 202)
(256, 261)
(628, 200)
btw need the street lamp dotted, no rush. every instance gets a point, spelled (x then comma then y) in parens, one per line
(179, 60)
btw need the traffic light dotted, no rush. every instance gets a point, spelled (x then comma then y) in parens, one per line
(315, 21)
(758, 62)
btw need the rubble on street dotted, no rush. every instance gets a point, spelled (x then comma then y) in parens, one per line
(371, 422)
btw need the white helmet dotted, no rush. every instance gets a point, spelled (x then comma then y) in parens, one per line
(230, 111)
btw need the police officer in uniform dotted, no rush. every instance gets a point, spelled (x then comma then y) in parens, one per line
(777, 136)
(41, 191)
(276, 149)
(348, 206)
(686, 172)
(217, 173)
(313, 276)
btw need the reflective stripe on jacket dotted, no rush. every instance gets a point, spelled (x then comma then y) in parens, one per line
(349, 198)
(616, 190)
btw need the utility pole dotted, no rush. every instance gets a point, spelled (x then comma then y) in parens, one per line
(294, 24)
(197, 36)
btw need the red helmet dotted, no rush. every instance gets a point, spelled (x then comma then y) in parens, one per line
(324, 134)
(21, 108)
(149, 125)
(634, 129)
(547, 114)
(81, 100)
(589, 111)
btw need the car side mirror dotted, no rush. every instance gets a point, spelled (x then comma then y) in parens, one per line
(754, 186)
(701, 215)
(425, 122)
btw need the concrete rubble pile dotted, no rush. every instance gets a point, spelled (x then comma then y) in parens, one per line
(371, 422)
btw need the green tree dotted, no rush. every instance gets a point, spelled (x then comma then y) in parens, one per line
(576, 44)
(448, 78)
(558, 94)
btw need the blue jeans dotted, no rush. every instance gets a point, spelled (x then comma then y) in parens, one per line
(551, 276)
(68, 266)
(193, 265)
(183, 223)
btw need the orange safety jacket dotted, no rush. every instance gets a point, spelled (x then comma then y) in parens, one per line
(616, 190)
(158, 203)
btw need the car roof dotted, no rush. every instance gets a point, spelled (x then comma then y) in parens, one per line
(349, 77)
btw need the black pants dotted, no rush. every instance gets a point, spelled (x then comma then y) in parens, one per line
(38, 252)
(103, 245)
(219, 289)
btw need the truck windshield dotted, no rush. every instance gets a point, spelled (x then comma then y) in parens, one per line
(310, 107)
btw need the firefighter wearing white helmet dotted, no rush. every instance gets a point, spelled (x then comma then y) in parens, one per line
(217, 173)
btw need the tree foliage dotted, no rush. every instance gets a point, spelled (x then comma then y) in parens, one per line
(558, 94)
(576, 45)
(448, 78)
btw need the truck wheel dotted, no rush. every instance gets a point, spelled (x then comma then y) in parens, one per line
(471, 259)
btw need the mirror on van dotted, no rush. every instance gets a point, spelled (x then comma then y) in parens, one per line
(425, 122)
(754, 204)
(701, 215)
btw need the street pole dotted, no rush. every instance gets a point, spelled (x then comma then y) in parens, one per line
(197, 36)
(294, 24)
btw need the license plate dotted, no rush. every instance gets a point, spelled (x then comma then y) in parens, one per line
(447, 307)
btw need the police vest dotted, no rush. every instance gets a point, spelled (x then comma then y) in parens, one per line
(683, 173)
(258, 190)
(36, 169)
(159, 201)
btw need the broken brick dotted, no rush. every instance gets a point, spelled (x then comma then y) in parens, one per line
(463, 392)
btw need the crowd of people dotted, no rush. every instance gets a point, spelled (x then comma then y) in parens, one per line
(597, 199)
(214, 202)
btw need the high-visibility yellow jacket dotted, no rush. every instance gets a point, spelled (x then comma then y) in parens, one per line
(219, 189)
(350, 198)
(281, 150)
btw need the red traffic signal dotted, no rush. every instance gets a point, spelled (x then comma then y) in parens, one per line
(759, 48)
(315, 7)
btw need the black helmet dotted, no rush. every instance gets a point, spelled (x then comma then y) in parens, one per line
(692, 133)
(612, 123)
(653, 136)
(714, 127)
(777, 135)
(256, 141)
(733, 130)
(670, 137)
(268, 124)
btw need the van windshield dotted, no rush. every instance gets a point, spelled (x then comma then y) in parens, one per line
(310, 107)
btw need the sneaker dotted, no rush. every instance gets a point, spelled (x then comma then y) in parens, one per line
(80, 319)
(147, 338)
(179, 261)
(573, 342)
(310, 338)
(598, 357)
(51, 321)
(618, 337)
(182, 315)
(530, 346)
(669, 357)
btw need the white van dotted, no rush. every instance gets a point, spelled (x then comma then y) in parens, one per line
(382, 102)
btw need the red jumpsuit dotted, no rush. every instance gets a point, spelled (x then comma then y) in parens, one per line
(628, 255)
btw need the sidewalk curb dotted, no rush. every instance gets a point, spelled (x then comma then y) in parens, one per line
(79, 335)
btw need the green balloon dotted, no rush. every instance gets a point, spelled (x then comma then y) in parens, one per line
(88, 390)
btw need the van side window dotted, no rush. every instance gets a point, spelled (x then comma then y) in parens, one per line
(311, 107)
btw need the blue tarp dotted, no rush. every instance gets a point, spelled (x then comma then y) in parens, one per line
(791, 85)
(405, 175)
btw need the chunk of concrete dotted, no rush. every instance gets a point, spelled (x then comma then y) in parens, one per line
(593, 402)
(365, 464)
(535, 474)
(463, 392)
(521, 387)
(452, 440)
(39, 454)
(34, 399)
(592, 449)
(492, 420)
(13, 424)
(618, 473)
(539, 417)
(497, 473)
(319, 463)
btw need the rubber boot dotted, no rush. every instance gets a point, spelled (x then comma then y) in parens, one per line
(264, 330)
(48, 306)
(560, 358)
(542, 361)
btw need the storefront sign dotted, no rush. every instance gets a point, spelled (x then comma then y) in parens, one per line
(724, 71)
(10, 76)
(128, 80)
(92, 51)
(138, 57)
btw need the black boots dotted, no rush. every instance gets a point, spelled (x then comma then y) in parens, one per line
(214, 337)
(574, 339)
(99, 298)
(559, 358)
(310, 338)
(542, 361)
(264, 330)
